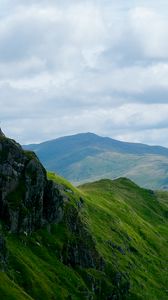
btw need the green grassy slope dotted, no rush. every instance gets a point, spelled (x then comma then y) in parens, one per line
(38, 266)
(130, 226)
(36, 271)
(35, 268)
(88, 157)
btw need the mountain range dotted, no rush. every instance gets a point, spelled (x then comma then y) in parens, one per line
(88, 157)
(103, 240)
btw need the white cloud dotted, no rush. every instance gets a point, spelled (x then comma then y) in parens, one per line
(150, 31)
(74, 66)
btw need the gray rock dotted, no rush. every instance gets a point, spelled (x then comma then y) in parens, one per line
(81, 250)
(27, 199)
(53, 203)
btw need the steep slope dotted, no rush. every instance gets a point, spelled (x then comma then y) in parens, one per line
(88, 157)
(130, 225)
(46, 248)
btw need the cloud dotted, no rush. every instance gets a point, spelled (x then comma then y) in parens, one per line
(150, 30)
(72, 66)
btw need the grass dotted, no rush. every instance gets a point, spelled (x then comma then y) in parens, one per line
(37, 269)
(129, 227)
(9, 290)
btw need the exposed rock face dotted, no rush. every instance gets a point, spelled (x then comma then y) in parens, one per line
(81, 252)
(27, 199)
(53, 202)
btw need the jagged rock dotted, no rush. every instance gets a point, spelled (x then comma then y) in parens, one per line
(53, 203)
(27, 199)
(80, 251)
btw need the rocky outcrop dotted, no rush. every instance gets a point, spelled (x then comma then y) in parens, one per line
(80, 251)
(27, 199)
(53, 203)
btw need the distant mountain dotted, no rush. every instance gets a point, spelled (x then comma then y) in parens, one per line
(87, 157)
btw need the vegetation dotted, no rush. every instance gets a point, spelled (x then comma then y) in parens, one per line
(129, 226)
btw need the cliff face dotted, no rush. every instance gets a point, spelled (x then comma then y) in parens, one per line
(27, 199)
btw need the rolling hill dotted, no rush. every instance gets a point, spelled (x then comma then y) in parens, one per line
(88, 157)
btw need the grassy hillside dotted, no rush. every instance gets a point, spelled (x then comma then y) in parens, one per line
(39, 265)
(88, 157)
(129, 226)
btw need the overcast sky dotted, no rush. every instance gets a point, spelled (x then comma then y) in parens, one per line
(73, 66)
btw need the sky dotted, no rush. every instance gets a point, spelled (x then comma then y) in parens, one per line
(84, 66)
